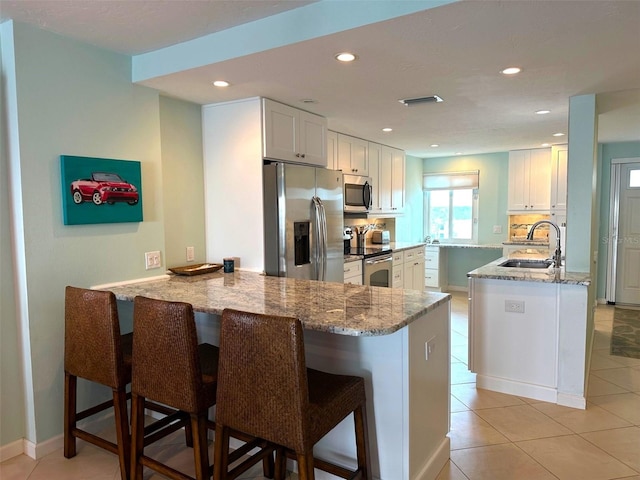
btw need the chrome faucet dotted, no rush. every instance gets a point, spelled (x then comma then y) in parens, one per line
(557, 256)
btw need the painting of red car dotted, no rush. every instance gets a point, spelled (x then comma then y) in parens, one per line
(103, 187)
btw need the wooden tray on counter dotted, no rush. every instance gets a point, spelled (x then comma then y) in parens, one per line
(197, 269)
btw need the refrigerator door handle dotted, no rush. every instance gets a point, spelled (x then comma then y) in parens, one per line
(320, 250)
(323, 220)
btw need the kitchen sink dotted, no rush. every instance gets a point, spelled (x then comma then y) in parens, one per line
(515, 263)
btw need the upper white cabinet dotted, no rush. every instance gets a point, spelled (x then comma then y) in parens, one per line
(559, 157)
(386, 169)
(353, 155)
(332, 150)
(529, 188)
(294, 135)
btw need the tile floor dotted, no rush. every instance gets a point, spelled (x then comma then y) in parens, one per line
(493, 436)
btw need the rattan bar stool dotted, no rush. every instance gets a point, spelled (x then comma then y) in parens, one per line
(95, 350)
(265, 390)
(170, 367)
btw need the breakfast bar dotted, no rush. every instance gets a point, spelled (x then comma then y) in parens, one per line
(398, 340)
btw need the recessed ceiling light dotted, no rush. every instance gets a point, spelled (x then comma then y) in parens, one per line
(559, 134)
(546, 145)
(458, 153)
(543, 112)
(221, 83)
(387, 129)
(345, 57)
(511, 70)
(434, 145)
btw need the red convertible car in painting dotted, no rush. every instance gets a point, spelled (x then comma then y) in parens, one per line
(102, 188)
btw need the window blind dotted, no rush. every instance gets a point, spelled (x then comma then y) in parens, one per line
(451, 180)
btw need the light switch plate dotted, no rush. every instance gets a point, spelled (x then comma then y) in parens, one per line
(497, 229)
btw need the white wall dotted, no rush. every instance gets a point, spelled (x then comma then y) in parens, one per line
(70, 98)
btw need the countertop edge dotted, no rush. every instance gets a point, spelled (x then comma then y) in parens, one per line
(494, 271)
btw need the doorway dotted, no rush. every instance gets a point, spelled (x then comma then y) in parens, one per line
(623, 274)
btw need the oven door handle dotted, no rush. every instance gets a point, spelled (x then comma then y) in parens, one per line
(375, 262)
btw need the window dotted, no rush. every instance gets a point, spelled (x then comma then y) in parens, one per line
(634, 178)
(450, 206)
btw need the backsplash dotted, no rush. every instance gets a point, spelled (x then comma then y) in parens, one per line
(519, 226)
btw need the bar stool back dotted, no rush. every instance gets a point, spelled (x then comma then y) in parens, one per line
(171, 368)
(265, 390)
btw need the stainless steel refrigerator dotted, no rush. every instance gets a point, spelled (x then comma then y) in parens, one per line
(303, 222)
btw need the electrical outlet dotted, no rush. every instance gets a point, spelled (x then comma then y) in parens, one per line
(152, 260)
(429, 348)
(514, 306)
(191, 255)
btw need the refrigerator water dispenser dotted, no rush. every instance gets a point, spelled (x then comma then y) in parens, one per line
(301, 242)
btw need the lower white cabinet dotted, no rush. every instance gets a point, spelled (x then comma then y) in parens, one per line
(398, 270)
(353, 272)
(408, 269)
(435, 268)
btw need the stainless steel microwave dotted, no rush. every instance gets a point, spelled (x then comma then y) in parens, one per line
(356, 193)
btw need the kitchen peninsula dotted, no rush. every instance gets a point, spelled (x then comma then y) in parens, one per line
(527, 332)
(398, 340)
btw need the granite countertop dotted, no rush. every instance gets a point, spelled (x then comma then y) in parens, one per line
(492, 246)
(528, 243)
(353, 258)
(339, 308)
(398, 246)
(548, 275)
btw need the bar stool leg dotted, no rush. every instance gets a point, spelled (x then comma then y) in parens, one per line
(137, 436)
(280, 464)
(70, 389)
(305, 466)
(122, 432)
(362, 441)
(221, 453)
(200, 446)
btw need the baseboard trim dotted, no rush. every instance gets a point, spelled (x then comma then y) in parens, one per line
(12, 449)
(536, 392)
(436, 462)
(573, 401)
(456, 288)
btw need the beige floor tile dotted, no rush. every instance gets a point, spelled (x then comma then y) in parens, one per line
(626, 361)
(458, 339)
(460, 353)
(499, 462)
(477, 398)
(627, 378)
(457, 405)
(621, 443)
(90, 463)
(469, 430)
(451, 472)
(598, 386)
(578, 421)
(601, 361)
(624, 405)
(460, 374)
(522, 422)
(572, 457)
(17, 468)
(601, 339)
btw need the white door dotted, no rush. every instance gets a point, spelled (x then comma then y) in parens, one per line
(628, 239)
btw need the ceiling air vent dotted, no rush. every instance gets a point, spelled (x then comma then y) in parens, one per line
(407, 102)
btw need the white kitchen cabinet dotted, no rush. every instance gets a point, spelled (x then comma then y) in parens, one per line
(294, 135)
(398, 269)
(353, 272)
(529, 188)
(353, 155)
(374, 153)
(332, 150)
(413, 271)
(559, 158)
(386, 169)
(435, 268)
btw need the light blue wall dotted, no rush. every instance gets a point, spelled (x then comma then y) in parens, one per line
(76, 99)
(492, 208)
(11, 388)
(607, 152)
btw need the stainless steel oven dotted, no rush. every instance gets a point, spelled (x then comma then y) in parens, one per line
(378, 269)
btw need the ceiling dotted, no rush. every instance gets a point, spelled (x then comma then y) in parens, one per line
(455, 51)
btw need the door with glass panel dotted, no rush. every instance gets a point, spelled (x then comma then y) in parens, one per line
(624, 252)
